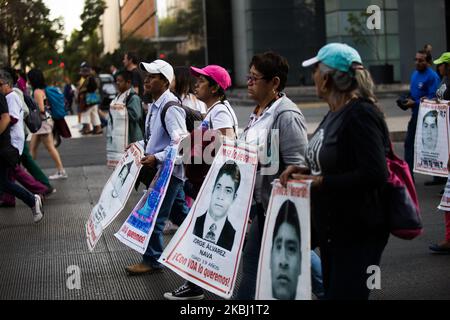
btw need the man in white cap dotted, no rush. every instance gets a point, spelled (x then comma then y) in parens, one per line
(158, 137)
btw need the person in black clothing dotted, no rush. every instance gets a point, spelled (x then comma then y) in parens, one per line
(347, 163)
(9, 158)
(130, 62)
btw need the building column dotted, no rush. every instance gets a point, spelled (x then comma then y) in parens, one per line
(240, 42)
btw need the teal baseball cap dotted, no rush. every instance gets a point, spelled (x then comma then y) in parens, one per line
(339, 56)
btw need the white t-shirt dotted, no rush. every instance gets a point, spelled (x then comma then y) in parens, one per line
(16, 112)
(192, 102)
(222, 116)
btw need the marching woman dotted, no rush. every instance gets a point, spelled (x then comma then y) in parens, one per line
(212, 82)
(347, 162)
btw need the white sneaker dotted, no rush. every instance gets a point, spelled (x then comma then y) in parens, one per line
(59, 175)
(38, 210)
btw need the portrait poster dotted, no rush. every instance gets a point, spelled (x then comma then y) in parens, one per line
(284, 271)
(207, 248)
(116, 133)
(138, 228)
(432, 143)
(445, 201)
(115, 194)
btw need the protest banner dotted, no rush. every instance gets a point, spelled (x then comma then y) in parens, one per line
(207, 248)
(284, 271)
(115, 194)
(138, 228)
(432, 143)
(117, 133)
(445, 201)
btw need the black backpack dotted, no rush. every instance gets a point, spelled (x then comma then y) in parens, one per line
(192, 116)
(33, 120)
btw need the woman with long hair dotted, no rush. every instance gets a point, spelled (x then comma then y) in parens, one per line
(45, 133)
(346, 160)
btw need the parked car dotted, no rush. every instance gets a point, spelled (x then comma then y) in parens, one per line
(108, 90)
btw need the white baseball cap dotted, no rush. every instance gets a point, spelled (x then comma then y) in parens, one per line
(159, 67)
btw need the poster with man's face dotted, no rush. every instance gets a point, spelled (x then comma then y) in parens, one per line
(115, 194)
(206, 249)
(432, 143)
(284, 271)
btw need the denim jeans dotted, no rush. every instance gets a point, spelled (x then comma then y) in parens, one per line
(17, 191)
(172, 203)
(409, 144)
(250, 260)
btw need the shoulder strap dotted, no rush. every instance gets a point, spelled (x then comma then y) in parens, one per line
(166, 107)
(231, 114)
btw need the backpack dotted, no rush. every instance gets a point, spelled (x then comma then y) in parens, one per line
(197, 169)
(55, 99)
(192, 116)
(33, 120)
(402, 205)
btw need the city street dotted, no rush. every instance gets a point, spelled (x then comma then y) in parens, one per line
(36, 261)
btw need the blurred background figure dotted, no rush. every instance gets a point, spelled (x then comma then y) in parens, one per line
(183, 87)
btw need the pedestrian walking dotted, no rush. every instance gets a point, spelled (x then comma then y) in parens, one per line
(183, 87)
(212, 82)
(89, 101)
(346, 160)
(160, 74)
(274, 111)
(45, 133)
(424, 84)
(443, 93)
(9, 157)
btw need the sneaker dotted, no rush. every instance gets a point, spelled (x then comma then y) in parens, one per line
(170, 228)
(38, 210)
(59, 175)
(188, 291)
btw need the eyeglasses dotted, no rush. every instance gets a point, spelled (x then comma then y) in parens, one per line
(253, 79)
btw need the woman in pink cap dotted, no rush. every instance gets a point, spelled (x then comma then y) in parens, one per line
(212, 82)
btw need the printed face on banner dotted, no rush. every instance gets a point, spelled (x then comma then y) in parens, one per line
(432, 143)
(214, 226)
(115, 194)
(206, 249)
(286, 256)
(430, 131)
(120, 181)
(284, 268)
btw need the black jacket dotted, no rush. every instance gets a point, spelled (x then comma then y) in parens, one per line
(349, 205)
(226, 239)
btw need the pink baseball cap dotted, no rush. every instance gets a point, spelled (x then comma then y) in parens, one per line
(217, 73)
